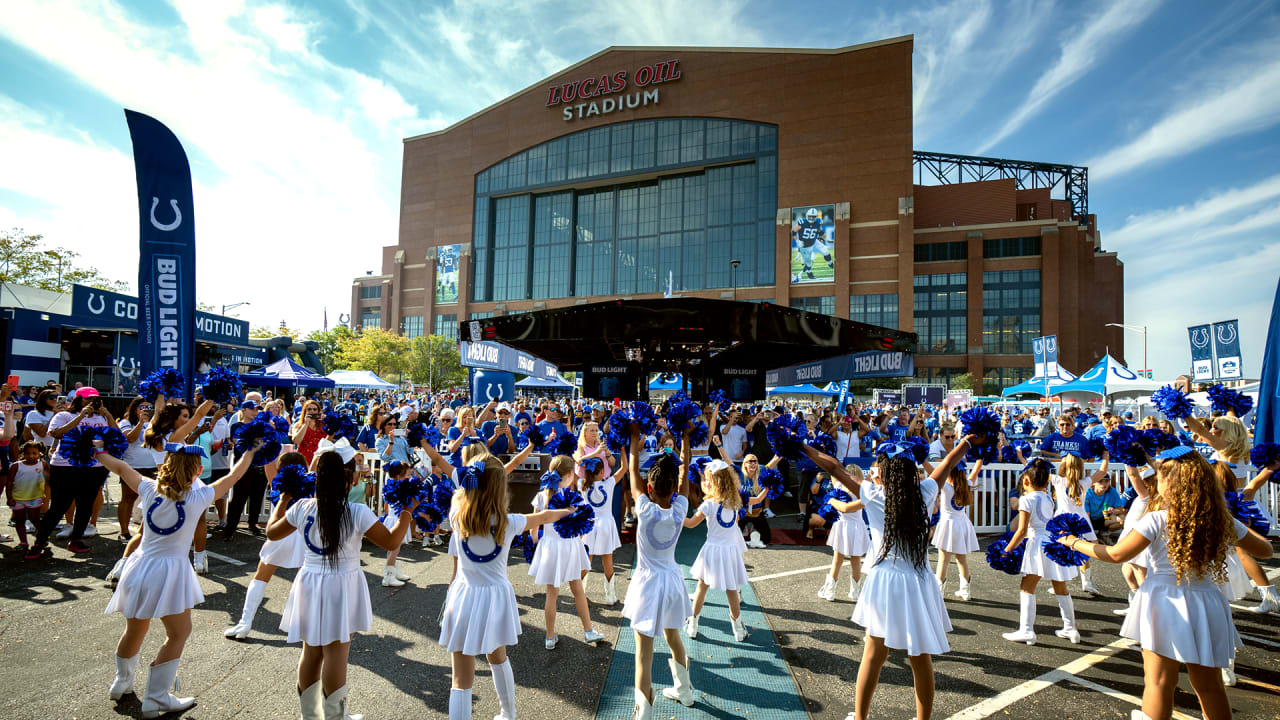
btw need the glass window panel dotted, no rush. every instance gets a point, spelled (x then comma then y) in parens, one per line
(620, 157)
(642, 147)
(556, 160)
(668, 142)
(578, 155)
(744, 138)
(516, 171)
(718, 135)
(691, 140)
(766, 237)
(538, 165)
(693, 257)
(598, 163)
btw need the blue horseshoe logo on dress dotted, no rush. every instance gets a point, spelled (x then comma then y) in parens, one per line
(306, 536)
(604, 496)
(954, 505)
(733, 517)
(497, 550)
(664, 544)
(182, 517)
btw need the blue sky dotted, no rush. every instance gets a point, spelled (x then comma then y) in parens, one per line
(293, 113)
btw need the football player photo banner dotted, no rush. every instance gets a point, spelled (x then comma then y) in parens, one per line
(813, 233)
(447, 274)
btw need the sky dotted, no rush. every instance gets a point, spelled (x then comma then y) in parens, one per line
(292, 115)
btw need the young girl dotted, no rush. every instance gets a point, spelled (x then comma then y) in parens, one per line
(719, 565)
(559, 560)
(138, 456)
(598, 488)
(847, 539)
(1179, 615)
(954, 535)
(480, 615)
(26, 488)
(1068, 488)
(900, 605)
(157, 581)
(656, 598)
(329, 600)
(1035, 509)
(391, 575)
(289, 552)
(1134, 570)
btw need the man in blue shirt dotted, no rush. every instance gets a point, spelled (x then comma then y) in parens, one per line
(500, 434)
(553, 423)
(897, 430)
(1064, 441)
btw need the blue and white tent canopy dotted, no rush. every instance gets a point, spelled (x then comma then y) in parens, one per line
(1036, 386)
(1108, 377)
(285, 373)
(805, 389)
(359, 379)
(550, 383)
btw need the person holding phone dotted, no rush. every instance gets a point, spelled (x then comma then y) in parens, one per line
(391, 443)
(37, 419)
(308, 430)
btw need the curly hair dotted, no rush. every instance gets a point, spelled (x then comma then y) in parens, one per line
(906, 521)
(724, 488)
(1199, 529)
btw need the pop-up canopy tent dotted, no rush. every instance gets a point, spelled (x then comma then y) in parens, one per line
(1108, 377)
(366, 379)
(285, 373)
(804, 389)
(1036, 385)
(537, 383)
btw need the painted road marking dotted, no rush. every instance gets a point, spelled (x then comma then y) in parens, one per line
(223, 558)
(1117, 695)
(791, 572)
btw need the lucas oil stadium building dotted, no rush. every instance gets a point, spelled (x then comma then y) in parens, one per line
(770, 175)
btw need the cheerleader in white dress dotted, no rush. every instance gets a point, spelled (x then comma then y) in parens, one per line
(900, 604)
(1144, 483)
(1035, 510)
(656, 599)
(597, 484)
(848, 539)
(157, 581)
(1179, 615)
(558, 560)
(329, 599)
(1068, 489)
(719, 565)
(954, 535)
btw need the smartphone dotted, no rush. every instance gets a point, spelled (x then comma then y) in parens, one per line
(398, 432)
(61, 399)
(12, 381)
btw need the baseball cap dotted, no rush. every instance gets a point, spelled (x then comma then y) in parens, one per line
(84, 392)
(248, 405)
(503, 406)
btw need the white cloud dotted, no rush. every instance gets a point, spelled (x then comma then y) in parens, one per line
(1190, 223)
(1083, 47)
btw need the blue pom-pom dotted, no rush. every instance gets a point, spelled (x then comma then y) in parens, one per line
(167, 382)
(1010, 564)
(618, 435)
(1060, 554)
(935, 517)
(697, 464)
(988, 453)
(823, 443)
(575, 524)
(1094, 448)
(1172, 402)
(591, 466)
(1060, 526)
(1224, 399)
(113, 441)
(981, 421)
(533, 436)
(565, 444)
(526, 544)
(642, 413)
(1247, 512)
(786, 434)
(77, 445)
(829, 513)
(1125, 446)
(918, 448)
(698, 436)
(260, 428)
(280, 423)
(221, 385)
(340, 425)
(415, 433)
(773, 480)
(1154, 440)
(1009, 454)
(720, 399)
(442, 490)
(1265, 455)
(742, 509)
(292, 480)
(398, 493)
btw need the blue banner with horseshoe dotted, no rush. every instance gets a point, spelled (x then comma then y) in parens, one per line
(167, 252)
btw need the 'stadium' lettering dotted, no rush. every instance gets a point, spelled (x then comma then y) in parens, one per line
(610, 105)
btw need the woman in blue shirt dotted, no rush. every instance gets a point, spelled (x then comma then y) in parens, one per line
(1099, 501)
(368, 437)
(391, 444)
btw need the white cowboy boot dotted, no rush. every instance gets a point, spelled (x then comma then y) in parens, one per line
(159, 700)
(123, 683)
(335, 706)
(681, 689)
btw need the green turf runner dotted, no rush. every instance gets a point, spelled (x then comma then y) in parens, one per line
(730, 679)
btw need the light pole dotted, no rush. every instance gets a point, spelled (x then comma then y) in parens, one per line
(233, 306)
(54, 254)
(735, 264)
(1143, 330)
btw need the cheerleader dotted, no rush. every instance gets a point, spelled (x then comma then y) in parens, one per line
(598, 484)
(1179, 616)
(656, 598)
(900, 604)
(847, 538)
(761, 533)
(558, 560)
(719, 565)
(275, 554)
(480, 615)
(954, 535)
(1135, 569)
(1035, 509)
(1068, 488)
(157, 581)
(329, 600)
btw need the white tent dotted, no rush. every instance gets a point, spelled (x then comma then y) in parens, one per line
(366, 379)
(1107, 378)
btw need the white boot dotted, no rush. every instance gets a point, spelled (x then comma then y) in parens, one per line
(643, 710)
(1086, 581)
(681, 689)
(389, 577)
(942, 584)
(123, 683)
(504, 685)
(828, 591)
(855, 587)
(691, 626)
(200, 563)
(611, 591)
(113, 577)
(312, 701)
(739, 630)
(399, 575)
(1067, 609)
(1270, 601)
(159, 700)
(1026, 620)
(460, 704)
(1229, 673)
(335, 706)
(755, 541)
(1124, 610)
(252, 600)
(963, 592)
(1138, 715)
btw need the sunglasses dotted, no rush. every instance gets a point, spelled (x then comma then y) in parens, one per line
(948, 437)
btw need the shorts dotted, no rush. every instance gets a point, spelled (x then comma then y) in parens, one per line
(27, 504)
(806, 256)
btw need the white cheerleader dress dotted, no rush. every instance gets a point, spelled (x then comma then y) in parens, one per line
(1039, 506)
(1135, 514)
(289, 552)
(328, 603)
(900, 603)
(954, 533)
(603, 538)
(1189, 621)
(480, 612)
(656, 596)
(158, 579)
(848, 535)
(556, 560)
(719, 563)
(1068, 506)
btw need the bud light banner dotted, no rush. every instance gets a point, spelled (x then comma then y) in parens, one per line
(167, 253)
(1201, 352)
(1226, 346)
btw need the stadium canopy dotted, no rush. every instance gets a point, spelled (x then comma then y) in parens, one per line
(366, 379)
(285, 373)
(1036, 385)
(1108, 377)
(536, 383)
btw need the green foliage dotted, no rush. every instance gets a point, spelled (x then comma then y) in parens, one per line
(382, 351)
(965, 381)
(332, 343)
(28, 260)
(434, 361)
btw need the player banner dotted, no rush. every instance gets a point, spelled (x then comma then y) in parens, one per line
(167, 252)
(447, 274)
(813, 235)
(1201, 353)
(1226, 347)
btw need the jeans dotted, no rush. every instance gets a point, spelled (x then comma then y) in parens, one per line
(249, 489)
(79, 485)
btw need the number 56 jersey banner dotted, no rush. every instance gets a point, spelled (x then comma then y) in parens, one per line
(167, 252)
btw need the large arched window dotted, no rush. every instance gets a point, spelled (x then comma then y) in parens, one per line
(628, 208)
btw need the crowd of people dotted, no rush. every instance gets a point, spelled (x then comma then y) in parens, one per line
(871, 487)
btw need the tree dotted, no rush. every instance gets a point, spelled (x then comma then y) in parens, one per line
(381, 351)
(965, 381)
(263, 331)
(434, 361)
(28, 260)
(332, 342)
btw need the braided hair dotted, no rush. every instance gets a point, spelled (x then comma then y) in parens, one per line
(906, 520)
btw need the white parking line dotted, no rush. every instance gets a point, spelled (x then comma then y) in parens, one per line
(791, 572)
(1117, 695)
(223, 558)
(1260, 641)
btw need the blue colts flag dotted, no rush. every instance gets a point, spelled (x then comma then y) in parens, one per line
(1226, 346)
(1268, 411)
(167, 253)
(1201, 337)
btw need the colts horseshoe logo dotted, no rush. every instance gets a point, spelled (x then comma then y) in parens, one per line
(664, 544)
(102, 303)
(182, 517)
(497, 550)
(306, 536)
(1200, 338)
(177, 216)
(604, 496)
(733, 516)
(1226, 334)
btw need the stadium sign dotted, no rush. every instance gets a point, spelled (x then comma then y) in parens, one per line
(607, 86)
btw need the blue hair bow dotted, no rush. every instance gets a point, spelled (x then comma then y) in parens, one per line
(1174, 453)
(185, 449)
(471, 476)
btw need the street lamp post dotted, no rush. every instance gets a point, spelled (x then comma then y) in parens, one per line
(735, 264)
(233, 306)
(54, 254)
(1137, 328)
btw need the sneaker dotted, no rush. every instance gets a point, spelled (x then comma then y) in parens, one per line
(90, 531)
(64, 532)
(78, 547)
(551, 642)
(828, 589)
(787, 493)
(36, 551)
(591, 637)
(739, 629)
(768, 513)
